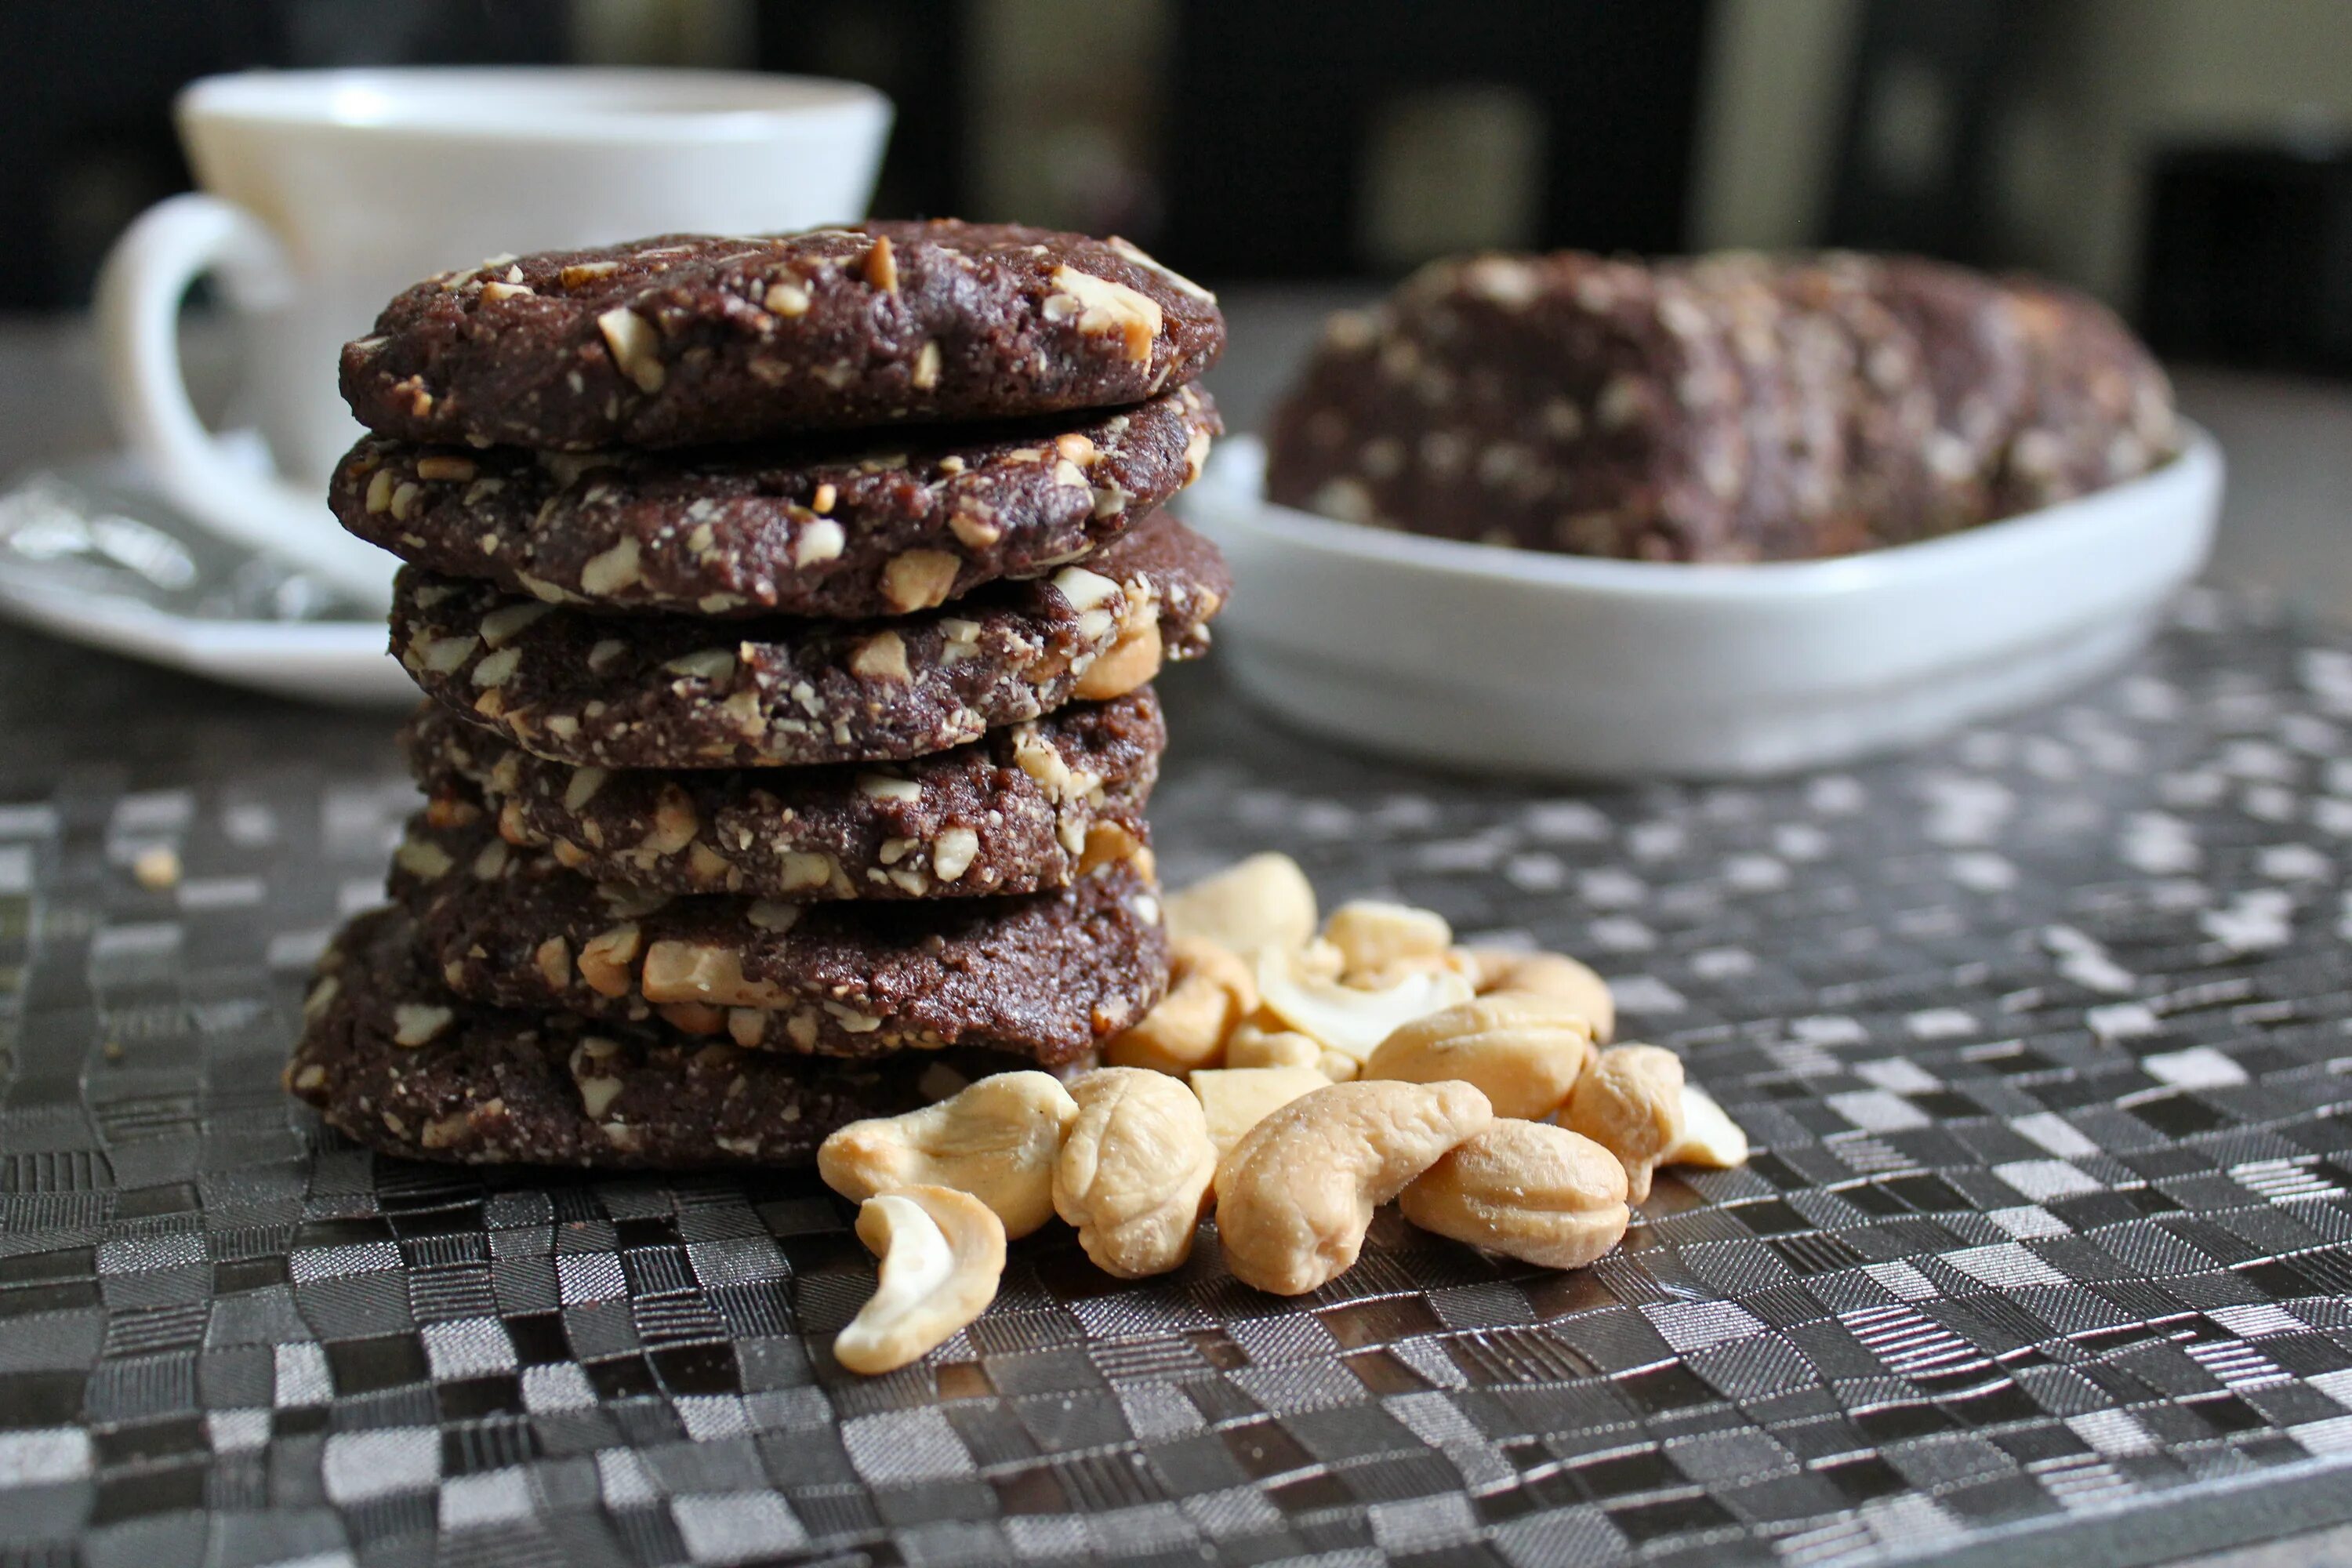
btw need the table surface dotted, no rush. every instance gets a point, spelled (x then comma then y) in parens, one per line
(2042, 1029)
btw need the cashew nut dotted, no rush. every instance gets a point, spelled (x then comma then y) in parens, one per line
(1297, 1193)
(1134, 1170)
(1350, 1021)
(1262, 1042)
(1710, 1138)
(942, 1253)
(1378, 940)
(1264, 901)
(1527, 1190)
(1631, 1103)
(997, 1140)
(1547, 974)
(1235, 1100)
(1209, 989)
(1524, 1051)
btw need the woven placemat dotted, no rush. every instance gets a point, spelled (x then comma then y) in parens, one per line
(2047, 1249)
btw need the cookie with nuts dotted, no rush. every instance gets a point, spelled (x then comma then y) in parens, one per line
(671, 692)
(1045, 976)
(1735, 409)
(836, 526)
(687, 339)
(1013, 812)
(392, 1058)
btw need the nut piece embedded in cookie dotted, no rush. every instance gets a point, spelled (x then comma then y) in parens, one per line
(942, 1254)
(1527, 1190)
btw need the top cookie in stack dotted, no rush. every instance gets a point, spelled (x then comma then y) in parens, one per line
(788, 606)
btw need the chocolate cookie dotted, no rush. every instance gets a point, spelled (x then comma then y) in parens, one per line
(391, 1059)
(673, 691)
(816, 527)
(687, 339)
(1562, 403)
(1044, 976)
(1740, 409)
(2097, 408)
(1013, 812)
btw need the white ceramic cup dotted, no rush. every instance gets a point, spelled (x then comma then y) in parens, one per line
(325, 193)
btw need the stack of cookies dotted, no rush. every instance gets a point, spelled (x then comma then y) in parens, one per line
(787, 608)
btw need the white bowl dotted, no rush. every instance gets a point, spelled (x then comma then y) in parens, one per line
(1523, 662)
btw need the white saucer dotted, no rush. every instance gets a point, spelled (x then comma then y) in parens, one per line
(89, 551)
(1517, 661)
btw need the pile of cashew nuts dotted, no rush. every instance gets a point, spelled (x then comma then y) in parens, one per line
(1296, 1077)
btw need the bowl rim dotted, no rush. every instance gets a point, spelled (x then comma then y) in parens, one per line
(1233, 490)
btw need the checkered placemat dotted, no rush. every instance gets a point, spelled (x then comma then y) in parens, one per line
(2047, 1250)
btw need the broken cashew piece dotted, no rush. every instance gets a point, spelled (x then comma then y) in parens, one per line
(942, 1253)
(1710, 1138)
(1524, 1051)
(1255, 1044)
(1297, 1193)
(1527, 1190)
(1135, 1170)
(1209, 990)
(1631, 1103)
(997, 1140)
(1344, 1018)
(1547, 974)
(1264, 901)
(1235, 1100)
(1378, 940)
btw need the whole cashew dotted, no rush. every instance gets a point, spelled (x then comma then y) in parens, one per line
(1526, 1189)
(1547, 974)
(1297, 1193)
(942, 1253)
(1631, 1103)
(1135, 1170)
(1523, 1050)
(997, 1140)
(1209, 989)
(1264, 901)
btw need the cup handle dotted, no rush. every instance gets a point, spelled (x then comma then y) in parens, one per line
(139, 288)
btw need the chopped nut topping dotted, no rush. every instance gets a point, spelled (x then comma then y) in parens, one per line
(882, 266)
(819, 541)
(952, 853)
(926, 367)
(919, 579)
(445, 468)
(882, 656)
(503, 625)
(635, 346)
(1104, 308)
(784, 298)
(613, 570)
(415, 1024)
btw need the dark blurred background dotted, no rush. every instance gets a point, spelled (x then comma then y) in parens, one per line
(2159, 152)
